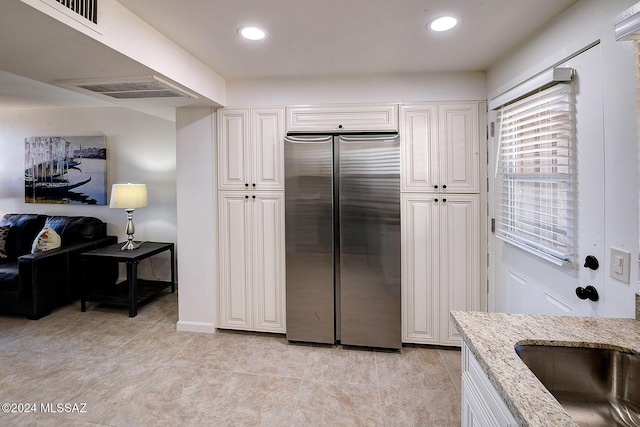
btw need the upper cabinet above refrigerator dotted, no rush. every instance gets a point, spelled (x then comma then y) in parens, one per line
(343, 118)
(440, 147)
(250, 149)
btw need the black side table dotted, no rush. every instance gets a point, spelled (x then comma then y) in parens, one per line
(133, 292)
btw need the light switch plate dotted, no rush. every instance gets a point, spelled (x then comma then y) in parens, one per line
(620, 264)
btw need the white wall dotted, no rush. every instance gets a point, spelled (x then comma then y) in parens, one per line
(195, 185)
(356, 89)
(140, 149)
(587, 22)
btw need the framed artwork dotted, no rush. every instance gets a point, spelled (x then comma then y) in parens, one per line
(67, 170)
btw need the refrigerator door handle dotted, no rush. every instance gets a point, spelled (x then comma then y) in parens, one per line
(308, 139)
(369, 138)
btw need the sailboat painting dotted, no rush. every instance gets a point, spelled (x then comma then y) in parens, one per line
(65, 170)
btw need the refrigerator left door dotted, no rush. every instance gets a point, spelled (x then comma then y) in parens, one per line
(309, 239)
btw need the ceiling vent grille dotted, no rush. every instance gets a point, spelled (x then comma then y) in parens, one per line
(88, 9)
(130, 88)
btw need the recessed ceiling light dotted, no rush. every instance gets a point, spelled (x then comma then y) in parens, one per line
(252, 33)
(443, 24)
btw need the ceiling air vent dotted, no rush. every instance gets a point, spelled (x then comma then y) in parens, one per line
(130, 88)
(88, 9)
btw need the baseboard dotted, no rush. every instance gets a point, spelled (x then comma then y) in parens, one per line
(186, 326)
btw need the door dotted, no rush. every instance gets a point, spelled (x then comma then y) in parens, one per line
(267, 135)
(236, 304)
(233, 149)
(459, 147)
(459, 260)
(309, 239)
(523, 283)
(419, 139)
(267, 243)
(369, 222)
(420, 268)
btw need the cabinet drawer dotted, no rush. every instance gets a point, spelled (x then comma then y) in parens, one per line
(343, 118)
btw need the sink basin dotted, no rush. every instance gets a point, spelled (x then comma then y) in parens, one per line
(596, 386)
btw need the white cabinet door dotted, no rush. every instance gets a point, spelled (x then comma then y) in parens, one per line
(267, 148)
(419, 147)
(482, 405)
(440, 147)
(233, 149)
(420, 270)
(343, 118)
(459, 148)
(235, 261)
(459, 260)
(251, 238)
(251, 149)
(440, 264)
(268, 261)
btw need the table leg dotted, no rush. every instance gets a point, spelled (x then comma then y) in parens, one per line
(83, 291)
(173, 270)
(132, 280)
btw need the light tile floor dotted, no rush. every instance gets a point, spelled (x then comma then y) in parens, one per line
(142, 372)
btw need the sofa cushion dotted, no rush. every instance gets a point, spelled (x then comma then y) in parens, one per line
(77, 229)
(4, 232)
(24, 228)
(46, 240)
(9, 277)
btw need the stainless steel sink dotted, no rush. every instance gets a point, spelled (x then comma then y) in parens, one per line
(597, 387)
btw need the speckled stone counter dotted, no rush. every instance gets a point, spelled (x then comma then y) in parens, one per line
(492, 338)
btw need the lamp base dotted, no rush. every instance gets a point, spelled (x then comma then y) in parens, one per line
(130, 245)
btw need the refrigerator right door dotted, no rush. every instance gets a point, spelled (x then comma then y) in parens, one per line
(368, 180)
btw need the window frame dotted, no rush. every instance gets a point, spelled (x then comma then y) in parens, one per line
(536, 171)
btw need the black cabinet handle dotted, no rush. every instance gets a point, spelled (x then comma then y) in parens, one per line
(253, 197)
(246, 184)
(444, 186)
(339, 126)
(435, 186)
(435, 200)
(246, 196)
(254, 184)
(444, 200)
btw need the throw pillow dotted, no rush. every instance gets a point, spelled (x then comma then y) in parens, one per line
(46, 239)
(4, 232)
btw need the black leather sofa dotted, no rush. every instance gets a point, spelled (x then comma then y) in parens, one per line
(32, 284)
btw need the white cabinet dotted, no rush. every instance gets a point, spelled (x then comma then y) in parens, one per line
(343, 118)
(482, 406)
(440, 264)
(251, 148)
(440, 147)
(251, 239)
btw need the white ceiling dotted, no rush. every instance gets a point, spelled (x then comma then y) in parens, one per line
(304, 38)
(329, 37)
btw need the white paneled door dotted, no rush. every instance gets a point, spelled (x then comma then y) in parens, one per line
(523, 283)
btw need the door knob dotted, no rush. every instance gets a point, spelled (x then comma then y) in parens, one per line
(591, 262)
(588, 292)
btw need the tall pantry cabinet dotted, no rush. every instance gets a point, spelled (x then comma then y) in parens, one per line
(440, 213)
(251, 219)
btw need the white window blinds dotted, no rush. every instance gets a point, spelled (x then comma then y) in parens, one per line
(536, 170)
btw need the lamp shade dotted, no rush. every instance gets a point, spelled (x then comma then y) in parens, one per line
(128, 196)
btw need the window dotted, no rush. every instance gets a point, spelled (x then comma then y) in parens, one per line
(536, 171)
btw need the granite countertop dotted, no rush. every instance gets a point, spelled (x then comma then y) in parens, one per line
(492, 338)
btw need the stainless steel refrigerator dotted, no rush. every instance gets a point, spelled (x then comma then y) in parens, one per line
(342, 225)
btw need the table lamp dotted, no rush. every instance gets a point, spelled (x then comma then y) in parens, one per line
(129, 197)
